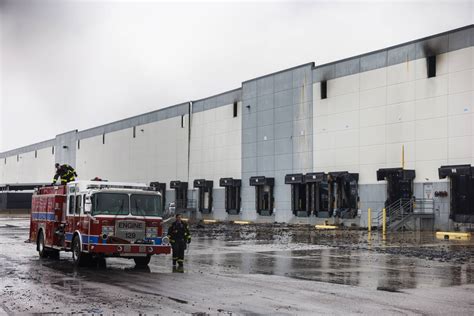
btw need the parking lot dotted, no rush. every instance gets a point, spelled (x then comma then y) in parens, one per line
(250, 269)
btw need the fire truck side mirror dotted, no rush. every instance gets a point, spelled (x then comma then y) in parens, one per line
(87, 205)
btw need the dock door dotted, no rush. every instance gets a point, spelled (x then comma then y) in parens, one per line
(263, 194)
(343, 194)
(205, 195)
(181, 194)
(298, 194)
(317, 200)
(399, 184)
(232, 194)
(461, 191)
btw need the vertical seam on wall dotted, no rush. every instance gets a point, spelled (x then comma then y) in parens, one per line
(257, 171)
(386, 100)
(448, 72)
(292, 123)
(360, 128)
(385, 118)
(273, 123)
(311, 122)
(414, 104)
(190, 105)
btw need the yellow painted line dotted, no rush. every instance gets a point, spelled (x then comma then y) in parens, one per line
(453, 235)
(242, 222)
(209, 221)
(325, 227)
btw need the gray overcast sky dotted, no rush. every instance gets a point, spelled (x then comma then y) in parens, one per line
(76, 64)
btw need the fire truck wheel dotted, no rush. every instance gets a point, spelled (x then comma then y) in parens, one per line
(142, 261)
(43, 253)
(78, 257)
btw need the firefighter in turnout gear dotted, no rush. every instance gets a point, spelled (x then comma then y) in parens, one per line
(65, 172)
(179, 236)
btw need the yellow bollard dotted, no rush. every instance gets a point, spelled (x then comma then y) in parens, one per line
(384, 222)
(369, 219)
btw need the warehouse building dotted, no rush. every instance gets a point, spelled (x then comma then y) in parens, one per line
(391, 128)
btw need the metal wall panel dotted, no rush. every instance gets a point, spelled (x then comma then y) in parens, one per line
(432, 46)
(401, 54)
(265, 118)
(282, 81)
(284, 114)
(373, 61)
(324, 72)
(283, 130)
(283, 98)
(348, 67)
(459, 40)
(162, 114)
(265, 102)
(265, 86)
(30, 148)
(65, 152)
(276, 100)
(421, 48)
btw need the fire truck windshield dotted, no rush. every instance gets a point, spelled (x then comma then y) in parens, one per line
(124, 204)
(110, 204)
(145, 205)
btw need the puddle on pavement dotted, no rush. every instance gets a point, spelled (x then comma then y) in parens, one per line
(341, 266)
(400, 261)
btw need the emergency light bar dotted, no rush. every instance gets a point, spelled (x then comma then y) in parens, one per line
(116, 186)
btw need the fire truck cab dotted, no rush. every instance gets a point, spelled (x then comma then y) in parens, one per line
(97, 219)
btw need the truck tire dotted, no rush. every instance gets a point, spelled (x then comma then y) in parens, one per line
(142, 261)
(79, 258)
(42, 251)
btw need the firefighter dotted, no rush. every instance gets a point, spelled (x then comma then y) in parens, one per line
(65, 172)
(179, 236)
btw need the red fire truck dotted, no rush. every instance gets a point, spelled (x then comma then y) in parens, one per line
(96, 219)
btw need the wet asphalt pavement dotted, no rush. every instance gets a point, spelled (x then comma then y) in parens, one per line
(252, 269)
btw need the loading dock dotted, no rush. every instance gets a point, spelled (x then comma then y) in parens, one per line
(205, 195)
(317, 201)
(160, 187)
(298, 194)
(181, 194)
(461, 191)
(232, 194)
(343, 194)
(17, 197)
(399, 184)
(264, 199)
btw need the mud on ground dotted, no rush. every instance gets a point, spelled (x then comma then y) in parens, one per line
(422, 245)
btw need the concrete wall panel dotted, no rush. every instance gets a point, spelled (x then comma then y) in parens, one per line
(219, 137)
